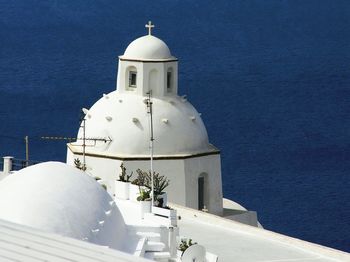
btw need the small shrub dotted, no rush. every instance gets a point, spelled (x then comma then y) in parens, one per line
(160, 182)
(185, 244)
(123, 176)
(144, 195)
(79, 165)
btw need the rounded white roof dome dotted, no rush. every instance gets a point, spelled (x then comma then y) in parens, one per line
(178, 127)
(58, 198)
(147, 47)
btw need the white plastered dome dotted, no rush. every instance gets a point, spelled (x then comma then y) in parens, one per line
(178, 127)
(58, 198)
(147, 47)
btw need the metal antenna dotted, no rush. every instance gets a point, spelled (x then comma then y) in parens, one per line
(71, 139)
(82, 125)
(26, 140)
(84, 145)
(84, 139)
(150, 112)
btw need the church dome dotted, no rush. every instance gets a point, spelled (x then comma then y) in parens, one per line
(58, 198)
(147, 47)
(178, 128)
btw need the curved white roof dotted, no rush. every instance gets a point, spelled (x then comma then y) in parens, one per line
(147, 47)
(58, 198)
(178, 127)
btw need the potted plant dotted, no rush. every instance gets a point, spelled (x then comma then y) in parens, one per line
(122, 184)
(144, 193)
(160, 183)
(142, 180)
(184, 245)
(134, 190)
(145, 202)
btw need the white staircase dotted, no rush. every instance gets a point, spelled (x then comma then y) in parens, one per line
(158, 256)
(151, 236)
(154, 234)
(154, 246)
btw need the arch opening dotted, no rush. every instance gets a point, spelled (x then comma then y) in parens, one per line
(169, 80)
(203, 191)
(131, 78)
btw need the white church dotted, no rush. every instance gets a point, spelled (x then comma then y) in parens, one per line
(182, 151)
(57, 212)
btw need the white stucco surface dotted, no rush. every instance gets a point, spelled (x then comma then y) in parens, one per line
(147, 47)
(123, 118)
(58, 198)
(234, 241)
(26, 244)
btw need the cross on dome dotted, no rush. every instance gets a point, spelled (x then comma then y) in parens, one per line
(149, 26)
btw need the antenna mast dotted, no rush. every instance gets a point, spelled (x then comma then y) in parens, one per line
(26, 140)
(84, 145)
(150, 112)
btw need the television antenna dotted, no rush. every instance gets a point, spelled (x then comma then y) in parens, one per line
(26, 140)
(84, 138)
(72, 139)
(149, 104)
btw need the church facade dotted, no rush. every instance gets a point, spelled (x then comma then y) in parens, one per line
(124, 126)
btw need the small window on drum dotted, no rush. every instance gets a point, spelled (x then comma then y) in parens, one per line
(132, 79)
(169, 81)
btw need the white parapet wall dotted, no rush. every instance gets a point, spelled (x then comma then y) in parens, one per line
(229, 238)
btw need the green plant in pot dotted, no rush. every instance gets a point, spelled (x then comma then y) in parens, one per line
(144, 195)
(185, 244)
(123, 176)
(160, 182)
(122, 184)
(141, 180)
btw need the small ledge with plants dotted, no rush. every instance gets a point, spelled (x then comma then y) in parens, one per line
(140, 190)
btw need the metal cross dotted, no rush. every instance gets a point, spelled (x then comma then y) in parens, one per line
(149, 26)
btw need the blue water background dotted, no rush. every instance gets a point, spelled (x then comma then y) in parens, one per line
(271, 79)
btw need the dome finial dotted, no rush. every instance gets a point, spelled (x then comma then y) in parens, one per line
(149, 26)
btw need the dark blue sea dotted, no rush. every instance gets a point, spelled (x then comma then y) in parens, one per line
(271, 79)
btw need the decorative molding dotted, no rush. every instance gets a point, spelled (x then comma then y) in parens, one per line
(140, 158)
(149, 61)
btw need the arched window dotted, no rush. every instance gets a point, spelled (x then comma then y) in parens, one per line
(202, 191)
(169, 79)
(131, 76)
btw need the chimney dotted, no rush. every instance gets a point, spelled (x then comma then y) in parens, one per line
(7, 164)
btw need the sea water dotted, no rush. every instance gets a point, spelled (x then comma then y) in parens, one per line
(271, 79)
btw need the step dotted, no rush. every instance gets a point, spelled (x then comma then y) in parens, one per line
(139, 228)
(140, 247)
(150, 236)
(161, 255)
(155, 246)
(158, 256)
